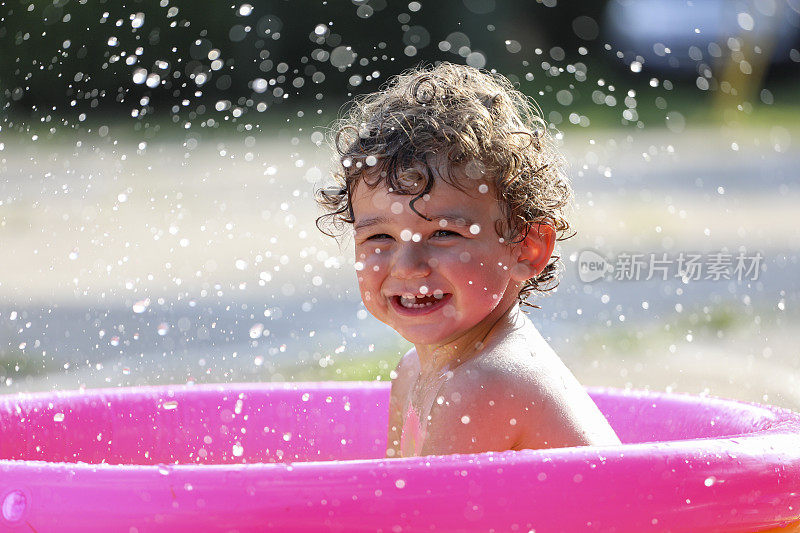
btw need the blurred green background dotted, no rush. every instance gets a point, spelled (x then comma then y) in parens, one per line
(180, 61)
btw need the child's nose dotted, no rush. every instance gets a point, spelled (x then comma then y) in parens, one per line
(410, 261)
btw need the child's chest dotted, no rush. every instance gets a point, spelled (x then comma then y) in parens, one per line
(416, 414)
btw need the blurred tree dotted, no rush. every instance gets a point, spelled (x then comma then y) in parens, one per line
(70, 57)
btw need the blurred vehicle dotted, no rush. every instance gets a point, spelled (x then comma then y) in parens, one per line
(679, 37)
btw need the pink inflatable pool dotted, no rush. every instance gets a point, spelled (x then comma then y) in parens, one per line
(309, 457)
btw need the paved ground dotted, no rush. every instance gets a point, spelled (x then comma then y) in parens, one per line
(208, 243)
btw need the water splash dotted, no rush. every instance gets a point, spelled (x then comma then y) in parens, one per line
(14, 505)
(141, 306)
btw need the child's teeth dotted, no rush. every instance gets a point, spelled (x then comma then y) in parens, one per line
(413, 302)
(405, 301)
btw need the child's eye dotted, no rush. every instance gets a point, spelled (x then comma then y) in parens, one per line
(379, 236)
(445, 233)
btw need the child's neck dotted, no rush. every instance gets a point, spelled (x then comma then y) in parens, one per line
(436, 360)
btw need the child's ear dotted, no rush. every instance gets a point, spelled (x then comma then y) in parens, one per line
(534, 252)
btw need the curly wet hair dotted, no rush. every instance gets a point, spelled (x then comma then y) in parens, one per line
(455, 123)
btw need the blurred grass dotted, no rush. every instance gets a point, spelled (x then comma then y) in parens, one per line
(289, 118)
(700, 323)
(16, 363)
(373, 367)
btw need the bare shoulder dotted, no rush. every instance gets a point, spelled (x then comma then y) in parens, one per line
(522, 382)
(404, 374)
(470, 414)
(407, 368)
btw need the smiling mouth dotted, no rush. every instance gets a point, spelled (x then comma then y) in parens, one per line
(419, 303)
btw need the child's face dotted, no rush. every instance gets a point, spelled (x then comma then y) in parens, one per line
(432, 281)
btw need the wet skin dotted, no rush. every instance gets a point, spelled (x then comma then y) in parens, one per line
(449, 285)
(456, 259)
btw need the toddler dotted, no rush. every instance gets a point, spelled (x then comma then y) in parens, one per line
(456, 195)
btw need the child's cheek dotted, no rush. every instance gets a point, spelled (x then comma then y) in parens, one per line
(370, 273)
(374, 263)
(365, 287)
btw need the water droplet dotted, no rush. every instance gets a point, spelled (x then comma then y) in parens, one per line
(256, 330)
(306, 396)
(342, 56)
(141, 306)
(260, 85)
(287, 437)
(710, 481)
(238, 450)
(137, 20)
(564, 97)
(746, 21)
(169, 405)
(513, 46)
(58, 417)
(245, 10)
(14, 505)
(163, 470)
(676, 122)
(153, 80)
(476, 60)
(400, 483)
(465, 419)
(73, 255)
(139, 76)
(163, 328)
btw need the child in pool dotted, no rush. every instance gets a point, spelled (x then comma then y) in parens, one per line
(456, 196)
